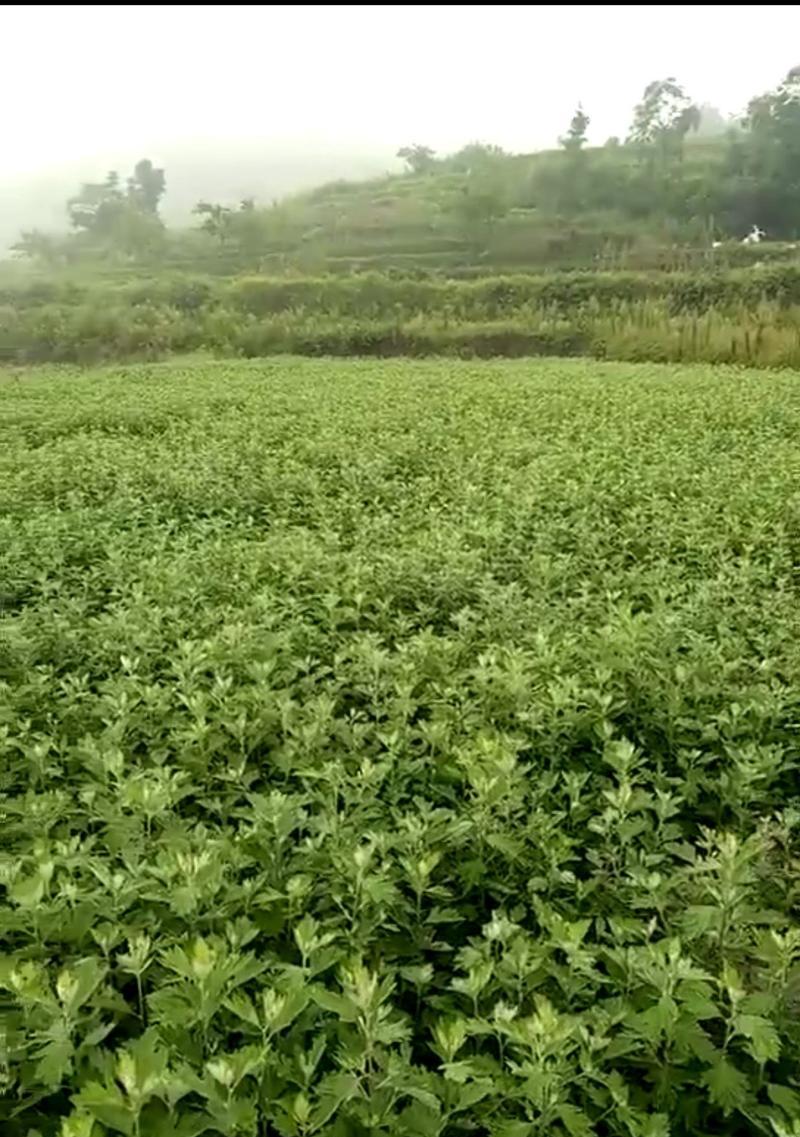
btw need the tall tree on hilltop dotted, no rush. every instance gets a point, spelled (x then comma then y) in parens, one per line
(419, 159)
(146, 187)
(663, 118)
(575, 138)
(566, 183)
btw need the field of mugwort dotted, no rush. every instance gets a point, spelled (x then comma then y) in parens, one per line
(399, 748)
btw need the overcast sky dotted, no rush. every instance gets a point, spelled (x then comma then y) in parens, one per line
(77, 80)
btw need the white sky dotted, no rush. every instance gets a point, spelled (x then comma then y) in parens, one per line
(78, 80)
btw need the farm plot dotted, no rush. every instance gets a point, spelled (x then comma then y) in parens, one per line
(399, 748)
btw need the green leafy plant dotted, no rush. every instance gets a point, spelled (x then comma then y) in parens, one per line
(401, 748)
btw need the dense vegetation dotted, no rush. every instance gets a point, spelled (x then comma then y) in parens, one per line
(738, 315)
(400, 748)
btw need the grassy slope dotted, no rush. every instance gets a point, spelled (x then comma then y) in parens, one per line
(407, 220)
(411, 221)
(486, 673)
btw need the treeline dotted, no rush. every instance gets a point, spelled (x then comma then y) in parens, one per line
(668, 179)
(720, 183)
(751, 317)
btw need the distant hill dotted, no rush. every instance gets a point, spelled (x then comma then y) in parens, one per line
(478, 210)
(214, 171)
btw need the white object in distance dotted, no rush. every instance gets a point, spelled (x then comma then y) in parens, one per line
(754, 236)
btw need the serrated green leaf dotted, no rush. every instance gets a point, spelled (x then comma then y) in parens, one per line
(786, 1099)
(727, 1086)
(688, 1034)
(655, 1125)
(295, 1002)
(334, 1002)
(242, 1006)
(764, 1044)
(696, 997)
(700, 920)
(514, 1129)
(461, 1071)
(77, 983)
(28, 891)
(470, 1094)
(333, 1092)
(574, 1120)
(107, 1105)
(55, 1061)
(417, 1121)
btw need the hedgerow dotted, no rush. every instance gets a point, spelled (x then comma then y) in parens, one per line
(738, 316)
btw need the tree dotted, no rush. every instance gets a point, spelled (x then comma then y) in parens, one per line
(419, 159)
(126, 221)
(763, 172)
(146, 186)
(216, 219)
(566, 183)
(476, 156)
(97, 206)
(664, 117)
(246, 228)
(39, 246)
(575, 138)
